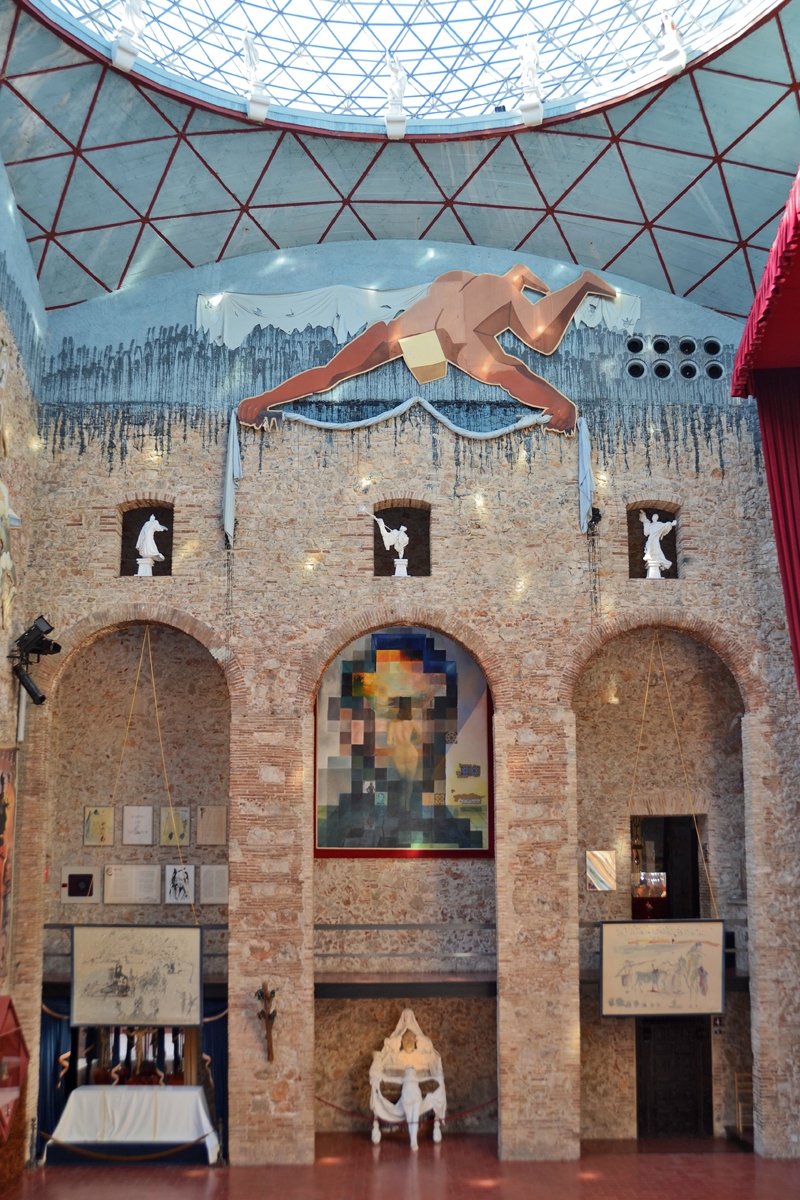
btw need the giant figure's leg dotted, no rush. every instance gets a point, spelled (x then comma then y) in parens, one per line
(542, 325)
(484, 360)
(374, 347)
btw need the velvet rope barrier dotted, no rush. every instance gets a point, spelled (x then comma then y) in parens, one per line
(391, 1124)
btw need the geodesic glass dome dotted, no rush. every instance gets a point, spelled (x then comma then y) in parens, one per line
(461, 56)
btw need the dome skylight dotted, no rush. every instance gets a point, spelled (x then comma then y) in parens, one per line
(461, 56)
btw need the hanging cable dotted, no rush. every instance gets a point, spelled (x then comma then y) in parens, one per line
(82, 911)
(166, 779)
(686, 778)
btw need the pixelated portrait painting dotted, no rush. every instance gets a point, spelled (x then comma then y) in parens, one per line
(403, 750)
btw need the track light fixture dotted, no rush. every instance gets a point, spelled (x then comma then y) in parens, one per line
(34, 641)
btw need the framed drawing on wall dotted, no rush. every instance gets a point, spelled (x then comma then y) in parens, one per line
(136, 975)
(403, 750)
(662, 968)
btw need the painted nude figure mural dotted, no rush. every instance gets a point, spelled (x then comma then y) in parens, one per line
(467, 313)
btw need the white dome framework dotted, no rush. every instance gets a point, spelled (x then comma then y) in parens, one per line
(461, 56)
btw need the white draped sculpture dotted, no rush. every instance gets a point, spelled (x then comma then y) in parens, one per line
(409, 1059)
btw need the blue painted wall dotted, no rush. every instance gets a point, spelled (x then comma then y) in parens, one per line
(19, 290)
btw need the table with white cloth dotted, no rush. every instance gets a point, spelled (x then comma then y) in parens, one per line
(174, 1115)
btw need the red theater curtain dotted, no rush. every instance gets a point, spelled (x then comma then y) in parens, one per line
(778, 394)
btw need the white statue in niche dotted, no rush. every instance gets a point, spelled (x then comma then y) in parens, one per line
(407, 1057)
(146, 546)
(393, 539)
(654, 556)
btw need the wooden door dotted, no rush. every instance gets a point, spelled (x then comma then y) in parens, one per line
(673, 1077)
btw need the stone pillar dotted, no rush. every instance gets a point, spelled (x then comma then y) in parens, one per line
(772, 837)
(271, 936)
(538, 1008)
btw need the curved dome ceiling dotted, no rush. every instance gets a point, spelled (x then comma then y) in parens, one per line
(460, 55)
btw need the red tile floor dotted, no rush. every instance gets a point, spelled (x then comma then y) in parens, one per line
(464, 1167)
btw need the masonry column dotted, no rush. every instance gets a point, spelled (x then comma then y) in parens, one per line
(537, 933)
(271, 1105)
(772, 838)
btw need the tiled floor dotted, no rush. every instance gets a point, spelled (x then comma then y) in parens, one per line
(348, 1167)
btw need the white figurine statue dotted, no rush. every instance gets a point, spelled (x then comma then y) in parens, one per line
(146, 546)
(407, 1056)
(131, 26)
(654, 556)
(673, 55)
(257, 98)
(531, 107)
(394, 539)
(395, 91)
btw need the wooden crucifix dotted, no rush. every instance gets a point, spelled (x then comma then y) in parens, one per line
(267, 1015)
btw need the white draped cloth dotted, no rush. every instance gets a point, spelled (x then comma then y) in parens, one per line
(137, 1114)
(389, 1065)
(230, 316)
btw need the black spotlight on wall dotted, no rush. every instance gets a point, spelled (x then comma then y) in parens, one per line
(36, 696)
(34, 641)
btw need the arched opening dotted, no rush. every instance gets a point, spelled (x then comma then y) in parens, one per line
(126, 825)
(404, 883)
(631, 1076)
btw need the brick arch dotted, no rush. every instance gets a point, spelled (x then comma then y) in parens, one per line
(497, 671)
(711, 633)
(104, 621)
(401, 498)
(144, 499)
(655, 498)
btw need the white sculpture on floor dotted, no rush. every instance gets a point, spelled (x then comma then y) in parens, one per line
(147, 548)
(531, 108)
(654, 556)
(394, 539)
(408, 1057)
(673, 55)
(395, 92)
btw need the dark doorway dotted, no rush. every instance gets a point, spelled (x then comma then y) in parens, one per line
(668, 846)
(673, 1077)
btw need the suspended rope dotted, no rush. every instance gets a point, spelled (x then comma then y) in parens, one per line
(656, 642)
(82, 911)
(166, 779)
(686, 778)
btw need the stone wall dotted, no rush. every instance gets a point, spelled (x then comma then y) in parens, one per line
(464, 1031)
(104, 749)
(516, 583)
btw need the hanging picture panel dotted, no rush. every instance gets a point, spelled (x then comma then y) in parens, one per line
(662, 968)
(136, 975)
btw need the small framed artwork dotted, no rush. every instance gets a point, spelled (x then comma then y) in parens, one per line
(98, 826)
(178, 884)
(137, 825)
(662, 968)
(214, 883)
(211, 825)
(132, 883)
(80, 885)
(174, 826)
(601, 870)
